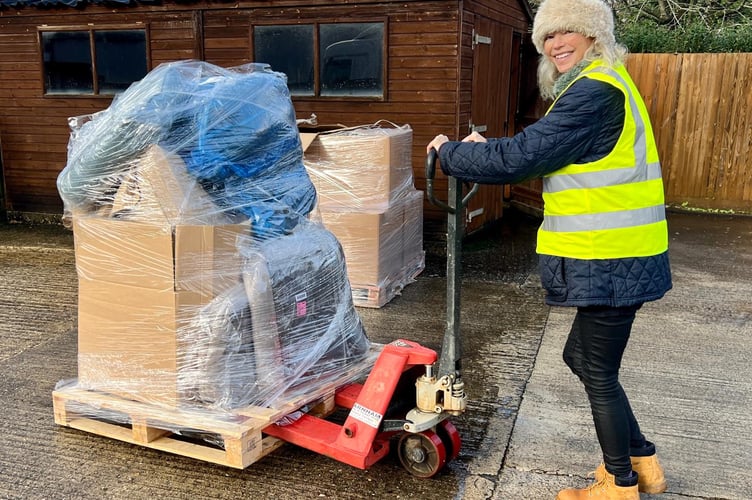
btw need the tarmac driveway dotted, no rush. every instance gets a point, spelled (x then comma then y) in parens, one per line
(527, 432)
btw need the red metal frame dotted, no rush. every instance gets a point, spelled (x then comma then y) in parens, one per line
(358, 441)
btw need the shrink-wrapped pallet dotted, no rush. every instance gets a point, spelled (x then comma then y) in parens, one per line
(180, 194)
(366, 197)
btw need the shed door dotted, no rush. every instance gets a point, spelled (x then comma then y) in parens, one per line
(2, 187)
(495, 62)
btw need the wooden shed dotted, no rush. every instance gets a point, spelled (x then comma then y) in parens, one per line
(441, 66)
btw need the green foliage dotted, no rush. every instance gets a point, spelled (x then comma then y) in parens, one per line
(644, 37)
(682, 26)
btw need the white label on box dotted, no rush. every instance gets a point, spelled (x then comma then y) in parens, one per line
(368, 417)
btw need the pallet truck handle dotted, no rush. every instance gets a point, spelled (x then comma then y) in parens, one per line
(449, 363)
(431, 174)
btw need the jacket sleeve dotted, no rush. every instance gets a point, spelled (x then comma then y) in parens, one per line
(583, 125)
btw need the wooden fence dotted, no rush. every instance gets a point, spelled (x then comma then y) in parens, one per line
(700, 106)
(701, 109)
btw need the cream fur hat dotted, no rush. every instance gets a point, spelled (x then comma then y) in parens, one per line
(592, 18)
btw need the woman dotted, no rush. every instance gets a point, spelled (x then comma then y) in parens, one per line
(603, 243)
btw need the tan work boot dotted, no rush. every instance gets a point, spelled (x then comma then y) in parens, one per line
(602, 489)
(650, 478)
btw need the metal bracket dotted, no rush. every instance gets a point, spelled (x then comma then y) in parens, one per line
(475, 213)
(440, 395)
(478, 39)
(419, 421)
(476, 128)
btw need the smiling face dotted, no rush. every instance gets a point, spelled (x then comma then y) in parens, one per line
(566, 48)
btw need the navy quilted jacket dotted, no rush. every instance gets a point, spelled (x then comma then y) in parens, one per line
(583, 126)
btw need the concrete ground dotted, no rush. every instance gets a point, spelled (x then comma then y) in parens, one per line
(527, 432)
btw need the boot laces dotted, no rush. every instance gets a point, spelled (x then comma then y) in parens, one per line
(599, 487)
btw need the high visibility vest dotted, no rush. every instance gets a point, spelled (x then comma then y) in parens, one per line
(613, 207)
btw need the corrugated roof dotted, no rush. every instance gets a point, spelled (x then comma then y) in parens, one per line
(76, 3)
(54, 3)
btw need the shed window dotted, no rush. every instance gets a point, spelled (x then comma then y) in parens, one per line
(118, 56)
(287, 49)
(327, 59)
(350, 56)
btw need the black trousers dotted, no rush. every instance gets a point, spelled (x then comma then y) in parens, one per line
(593, 352)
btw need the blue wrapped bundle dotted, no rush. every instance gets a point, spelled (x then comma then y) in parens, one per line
(234, 129)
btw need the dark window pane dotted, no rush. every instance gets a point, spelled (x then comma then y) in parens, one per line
(289, 50)
(67, 62)
(121, 59)
(351, 59)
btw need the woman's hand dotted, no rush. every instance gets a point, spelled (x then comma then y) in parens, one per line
(437, 142)
(440, 139)
(474, 137)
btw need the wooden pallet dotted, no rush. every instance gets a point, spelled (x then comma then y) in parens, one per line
(151, 426)
(238, 432)
(371, 296)
(376, 296)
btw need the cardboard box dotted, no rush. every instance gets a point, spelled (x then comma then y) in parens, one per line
(159, 187)
(158, 256)
(360, 168)
(379, 245)
(129, 339)
(140, 284)
(372, 243)
(413, 228)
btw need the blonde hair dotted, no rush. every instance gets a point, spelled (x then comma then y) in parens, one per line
(612, 54)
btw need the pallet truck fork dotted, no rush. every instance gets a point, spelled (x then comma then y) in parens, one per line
(427, 440)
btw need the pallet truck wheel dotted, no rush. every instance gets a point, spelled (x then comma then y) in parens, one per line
(450, 436)
(422, 454)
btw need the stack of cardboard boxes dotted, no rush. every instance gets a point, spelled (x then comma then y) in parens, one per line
(158, 288)
(366, 197)
(177, 195)
(145, 267)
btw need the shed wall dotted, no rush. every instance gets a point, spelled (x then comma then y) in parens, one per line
(429, 75)
(34, 127)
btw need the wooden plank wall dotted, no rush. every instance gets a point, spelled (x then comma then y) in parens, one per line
(422, 67)
(422, 75)
(700, 106)
(34, 128)
(425, 44)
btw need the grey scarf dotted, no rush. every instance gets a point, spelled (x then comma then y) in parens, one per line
(566, 78)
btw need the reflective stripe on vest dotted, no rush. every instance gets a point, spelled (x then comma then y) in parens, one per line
(616, 201)
(603, 178)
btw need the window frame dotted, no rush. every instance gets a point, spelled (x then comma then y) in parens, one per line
(90, 28)
(317, 59)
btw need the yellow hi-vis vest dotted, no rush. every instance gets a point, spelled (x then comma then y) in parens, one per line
(613, 207)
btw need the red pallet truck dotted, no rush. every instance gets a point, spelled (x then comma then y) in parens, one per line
(411, 392)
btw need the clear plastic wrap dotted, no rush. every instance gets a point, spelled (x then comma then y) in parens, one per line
(361, 168)
(234, 130)
(204, 287)
(366, 197)
(289, 327)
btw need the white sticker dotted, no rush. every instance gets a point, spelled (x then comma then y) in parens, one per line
(368, 417)
(400, 343)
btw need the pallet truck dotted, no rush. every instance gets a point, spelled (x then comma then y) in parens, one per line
(411, 392)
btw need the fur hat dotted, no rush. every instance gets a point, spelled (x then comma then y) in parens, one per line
(592, 18)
